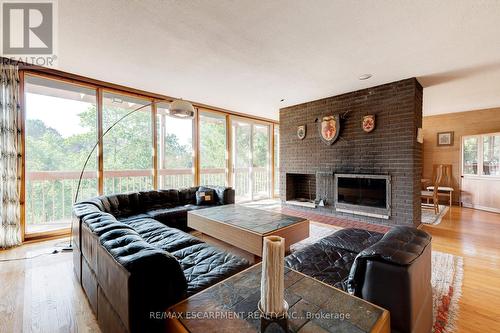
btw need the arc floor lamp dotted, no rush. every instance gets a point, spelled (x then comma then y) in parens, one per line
(178, 108)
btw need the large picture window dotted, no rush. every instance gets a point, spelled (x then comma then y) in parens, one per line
(213, 149)
(128, 156)
(481, 155)
(148, 149)
(60, 130)
(175, 150)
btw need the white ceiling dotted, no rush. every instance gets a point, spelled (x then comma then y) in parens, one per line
(247, 55)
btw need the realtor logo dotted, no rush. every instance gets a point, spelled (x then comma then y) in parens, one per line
(27, 27)
(29, 30)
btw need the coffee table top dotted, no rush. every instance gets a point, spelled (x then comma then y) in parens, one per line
(231, 306)
(256, 220)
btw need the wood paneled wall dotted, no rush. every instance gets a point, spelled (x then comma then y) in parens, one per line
(462, 123)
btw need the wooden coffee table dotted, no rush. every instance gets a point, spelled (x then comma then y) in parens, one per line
(245, 227)
(231, 306)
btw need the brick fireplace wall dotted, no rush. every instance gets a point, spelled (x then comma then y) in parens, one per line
(392, 148)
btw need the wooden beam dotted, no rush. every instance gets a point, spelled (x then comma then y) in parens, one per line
(229, 149)
(100, 146)
(155, 145)
(196, 147)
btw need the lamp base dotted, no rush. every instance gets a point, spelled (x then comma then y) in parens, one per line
(68, 248)
(274, 322)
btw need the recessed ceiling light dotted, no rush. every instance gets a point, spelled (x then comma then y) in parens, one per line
(365, 76)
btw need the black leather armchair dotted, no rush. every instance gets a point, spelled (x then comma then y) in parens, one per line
(391, 270)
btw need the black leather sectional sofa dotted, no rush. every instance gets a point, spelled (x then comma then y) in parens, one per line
(133, 259)
(391, 270)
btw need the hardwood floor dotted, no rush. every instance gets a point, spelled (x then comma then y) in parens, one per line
(42, 295)
(474, 235)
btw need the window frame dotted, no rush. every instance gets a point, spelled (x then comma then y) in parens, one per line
(101, 87)
(480, 156)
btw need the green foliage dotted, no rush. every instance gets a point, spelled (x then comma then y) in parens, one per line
(212, 145)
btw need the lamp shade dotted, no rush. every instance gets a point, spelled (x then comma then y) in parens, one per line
(181, 109)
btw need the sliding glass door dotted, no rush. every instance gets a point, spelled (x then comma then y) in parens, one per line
(261, 171)
(251, 160)
(60, 131)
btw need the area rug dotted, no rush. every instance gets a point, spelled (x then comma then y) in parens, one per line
(447, 276)
(446, 281)
(428, 216)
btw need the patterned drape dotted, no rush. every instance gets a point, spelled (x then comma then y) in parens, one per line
(10, 225)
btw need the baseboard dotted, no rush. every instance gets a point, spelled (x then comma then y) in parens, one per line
(479, 207)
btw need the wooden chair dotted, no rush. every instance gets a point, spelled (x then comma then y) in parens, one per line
(434, 194)
(446, 185)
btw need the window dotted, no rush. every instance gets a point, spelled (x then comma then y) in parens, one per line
(470, 156)
(175, 150)
(481, 155)
(491, 155)
(213, 149)
(60, 131)
(127, 148)
(63, 119)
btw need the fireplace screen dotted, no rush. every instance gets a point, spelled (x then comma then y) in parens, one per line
(363, 193)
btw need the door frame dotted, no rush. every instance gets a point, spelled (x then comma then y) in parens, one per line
(270, 162)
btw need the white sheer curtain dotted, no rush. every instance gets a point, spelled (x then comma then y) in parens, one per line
(10, 223)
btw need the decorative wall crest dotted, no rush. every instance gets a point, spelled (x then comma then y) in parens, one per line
(329, 128)
(368, 123)
(301, 132)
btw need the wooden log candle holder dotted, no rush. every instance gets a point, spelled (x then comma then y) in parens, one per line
(272, 303)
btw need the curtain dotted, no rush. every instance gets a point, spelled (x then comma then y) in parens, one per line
(10, 138)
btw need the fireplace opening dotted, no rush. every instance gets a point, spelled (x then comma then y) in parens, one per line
(362, 191)
(368, 195)
(301, 189)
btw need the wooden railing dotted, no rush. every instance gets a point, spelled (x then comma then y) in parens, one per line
(50, 194)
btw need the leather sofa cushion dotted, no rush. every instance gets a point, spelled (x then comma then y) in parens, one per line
(323, 262)
(351, 239)
(100, 223)
(82, 209)
(117, 205)
(165, 213)
(161, 236)
(150, 200)
(203, 265)
(187, 195)
(193, 207)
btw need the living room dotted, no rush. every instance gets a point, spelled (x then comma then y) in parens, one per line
(279, 166)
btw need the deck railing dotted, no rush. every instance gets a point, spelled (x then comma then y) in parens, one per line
(50, 194)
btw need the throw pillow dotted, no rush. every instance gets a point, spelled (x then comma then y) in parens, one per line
(205, 196)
